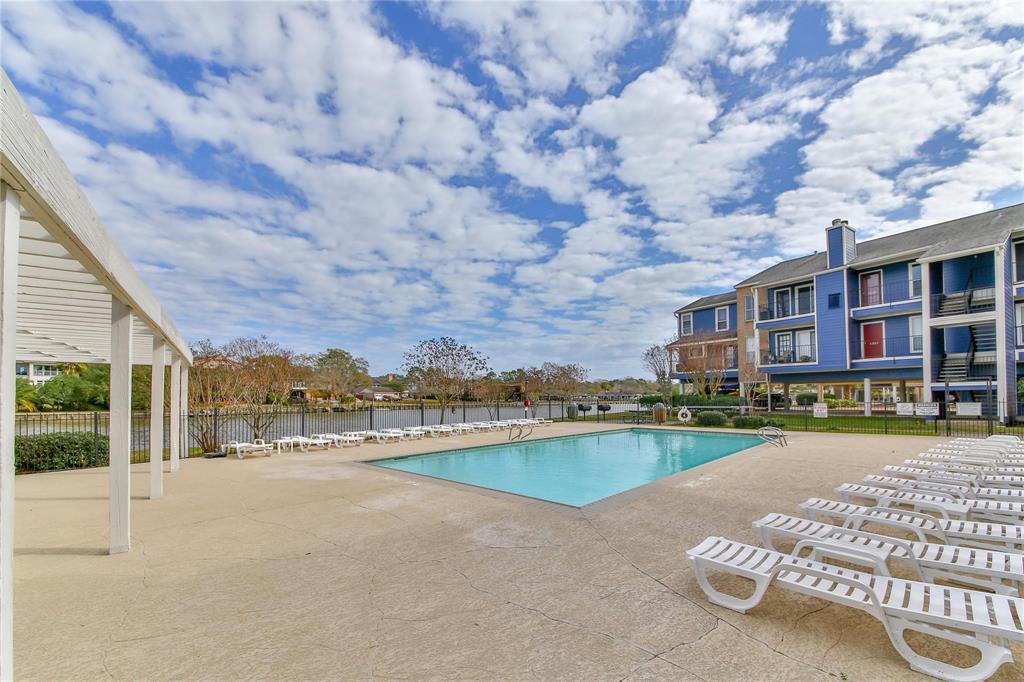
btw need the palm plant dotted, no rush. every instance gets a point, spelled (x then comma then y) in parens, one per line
(26, 397)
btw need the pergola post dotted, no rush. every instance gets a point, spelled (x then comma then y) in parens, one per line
(184, 411)
(156, 421)
(10, 226)
(175, 411)
(120, 426)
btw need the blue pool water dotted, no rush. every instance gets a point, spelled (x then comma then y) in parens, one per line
(576, 470)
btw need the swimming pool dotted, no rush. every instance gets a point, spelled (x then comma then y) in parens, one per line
(576, 470)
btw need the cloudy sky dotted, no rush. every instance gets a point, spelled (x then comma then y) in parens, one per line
(547, 181)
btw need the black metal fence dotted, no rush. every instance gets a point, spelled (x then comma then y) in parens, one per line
(218, 426)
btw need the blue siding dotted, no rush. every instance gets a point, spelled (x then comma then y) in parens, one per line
(834, 239)
(704, 319)
(957, 271)
(958, 339)
(832, 324)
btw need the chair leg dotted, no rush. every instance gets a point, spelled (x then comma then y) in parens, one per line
(992, 655)
(726, 600)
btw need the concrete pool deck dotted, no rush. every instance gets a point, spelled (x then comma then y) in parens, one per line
(313, 566)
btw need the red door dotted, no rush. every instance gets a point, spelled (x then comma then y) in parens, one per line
(873, 340)
(871, 288)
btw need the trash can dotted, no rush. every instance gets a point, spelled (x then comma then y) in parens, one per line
(659, 413)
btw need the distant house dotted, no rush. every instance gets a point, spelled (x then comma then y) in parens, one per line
(381, 393)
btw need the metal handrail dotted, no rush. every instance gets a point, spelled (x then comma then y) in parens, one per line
(773, 435)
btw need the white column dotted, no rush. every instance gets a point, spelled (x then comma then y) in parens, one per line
(1003, 392)
(867, 397)
(184, 411)
(120, 426)
(156, 421)
(10, 225)
(175, 410)
(926, 332)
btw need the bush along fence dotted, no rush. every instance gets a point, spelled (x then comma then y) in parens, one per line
(912, 419)
(67, 440)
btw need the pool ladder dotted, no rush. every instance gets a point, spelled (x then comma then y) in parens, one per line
(517, 432)
(773, 435)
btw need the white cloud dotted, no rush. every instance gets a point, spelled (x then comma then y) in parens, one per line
(545, 47)
(726, 33)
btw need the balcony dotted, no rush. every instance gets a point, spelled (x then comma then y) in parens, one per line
(799, 354)
(784, 311)
(967, 302)
(892, 347)
(896, 291)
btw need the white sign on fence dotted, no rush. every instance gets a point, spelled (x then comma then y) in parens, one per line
(968, 409)
(927, 409)
(820, 410)
(905, 409)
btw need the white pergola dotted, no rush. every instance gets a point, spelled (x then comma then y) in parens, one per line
(68, 294)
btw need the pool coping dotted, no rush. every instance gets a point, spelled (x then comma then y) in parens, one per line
(602, 504)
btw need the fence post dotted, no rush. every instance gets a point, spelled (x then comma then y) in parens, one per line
(549, 408)
(423, 416)
(497, 405)
(463, 411)
(988, 404)
(805, 417)
(946, 396)
(371, 415)
(302, 419)
(885, 417)
(216, 428)
(96, 435)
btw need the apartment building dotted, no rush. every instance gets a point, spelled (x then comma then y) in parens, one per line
(706, 336)
(913, 315)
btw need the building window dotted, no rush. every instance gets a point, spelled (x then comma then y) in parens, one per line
(1020, 323)
(686, 324)
(915, 280)
(805, 299)
(722, 319)
(784, 347)
(21, 369)
(782, 300)
(45, 370)
(751, 344)
(748, 307)
(1018, 261)
(834, 301)
(916, 339)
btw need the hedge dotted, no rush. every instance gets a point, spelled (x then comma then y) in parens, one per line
(699, 400)
(806, 398)
(742, 422)
(59, 450)
(710, 418)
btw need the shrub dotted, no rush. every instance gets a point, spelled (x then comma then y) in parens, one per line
(59, 450)
(777, 423)
(742, 422)
(806, 398)
(699, 400)
(711, 418)
(650, 399)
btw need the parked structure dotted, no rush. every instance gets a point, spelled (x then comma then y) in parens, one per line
(935, 309)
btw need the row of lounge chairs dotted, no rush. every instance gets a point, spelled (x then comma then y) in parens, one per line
(962, 506)
(327, 440)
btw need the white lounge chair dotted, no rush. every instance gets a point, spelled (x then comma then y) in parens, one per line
(978, 477)
(439, 430)
(305, 443)
(984, 467)
(978, 510)
(414, 432)
(977, 619)
(949, 531)
(388, 436)
(1000, 572)
(341, 439)
(965, 490)
(461, 428)
(485, 426)
(238, 447)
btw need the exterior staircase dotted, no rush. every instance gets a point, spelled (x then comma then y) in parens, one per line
(955, 367)
(953, 304)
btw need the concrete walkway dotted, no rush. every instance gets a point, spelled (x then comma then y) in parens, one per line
(310, 566)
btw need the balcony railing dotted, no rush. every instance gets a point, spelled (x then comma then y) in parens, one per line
(892, 347)
(789, 356)
(967, 302)
(789, 310)
(890, 292)
(726, 362)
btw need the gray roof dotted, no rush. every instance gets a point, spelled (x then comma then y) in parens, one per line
(709, 301)
(933, 241)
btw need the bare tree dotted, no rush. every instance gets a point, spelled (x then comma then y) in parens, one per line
(265, 373)
(705, 365)
(443, 369)
(563, 381)
(213, 384)
(749, 377)
(491, 390)
(658, 361)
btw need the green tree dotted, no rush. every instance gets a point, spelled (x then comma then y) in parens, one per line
(26, 396)
(66, 392)
(339, 373)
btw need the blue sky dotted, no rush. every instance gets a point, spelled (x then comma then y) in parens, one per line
(546, 181)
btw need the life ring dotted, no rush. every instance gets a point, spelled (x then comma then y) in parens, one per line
(683, 415)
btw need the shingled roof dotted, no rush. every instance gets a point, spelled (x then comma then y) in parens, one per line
(929, 242)
(708, 301)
